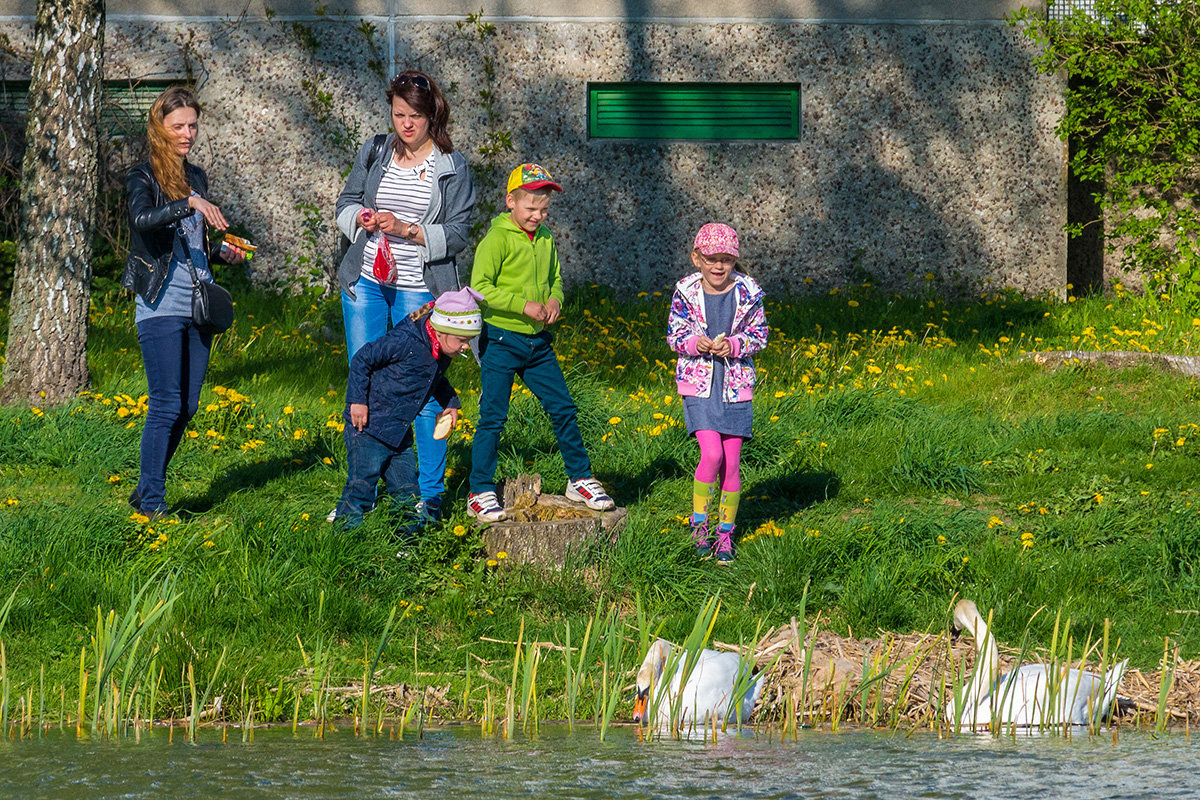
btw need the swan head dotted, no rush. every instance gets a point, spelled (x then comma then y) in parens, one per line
(966, 618)
(648, 675)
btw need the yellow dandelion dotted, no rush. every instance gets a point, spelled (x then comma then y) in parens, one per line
(491, 562)
(614, 421)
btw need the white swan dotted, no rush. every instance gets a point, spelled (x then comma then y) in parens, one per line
(1030, 695)
(707, 695)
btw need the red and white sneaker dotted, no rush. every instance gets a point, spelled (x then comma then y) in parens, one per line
(589, 492)
(485, 507)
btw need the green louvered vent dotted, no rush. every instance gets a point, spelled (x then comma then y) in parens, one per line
(702, 111)
(125, 104)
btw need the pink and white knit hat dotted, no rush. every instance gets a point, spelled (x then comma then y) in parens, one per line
(458, 313)
(716, 237)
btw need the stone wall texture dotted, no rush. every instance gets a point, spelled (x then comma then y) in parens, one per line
(926, 146)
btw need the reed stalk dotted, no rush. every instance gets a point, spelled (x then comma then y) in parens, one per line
(466, 693)
(117, 638)
(194, 719)
(83, 682)
(1161, 713)
(487, 723)
(510, 713)
(611, 671)
(612, 694)
(369, 673)
(575, 672)
(529, 686)
(4, 687)
(41, 699)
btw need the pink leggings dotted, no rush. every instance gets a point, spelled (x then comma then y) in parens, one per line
(720, 457)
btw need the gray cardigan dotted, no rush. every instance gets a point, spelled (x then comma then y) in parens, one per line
(445, 223)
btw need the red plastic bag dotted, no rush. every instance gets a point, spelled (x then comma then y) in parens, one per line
(384, 266)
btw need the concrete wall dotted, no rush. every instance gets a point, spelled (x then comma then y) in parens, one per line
(927, 139)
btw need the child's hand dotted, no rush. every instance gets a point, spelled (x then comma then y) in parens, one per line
(553, 310)
(722, 348)
(704, 344)
(536, 311)
(358, 415)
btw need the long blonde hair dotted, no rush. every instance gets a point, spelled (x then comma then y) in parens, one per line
(164, 160)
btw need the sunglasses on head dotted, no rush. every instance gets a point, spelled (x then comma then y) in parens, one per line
(418, 81)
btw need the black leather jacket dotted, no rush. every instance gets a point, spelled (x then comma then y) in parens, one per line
(153, 220)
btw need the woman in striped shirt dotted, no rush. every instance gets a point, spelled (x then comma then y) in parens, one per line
(406, 209)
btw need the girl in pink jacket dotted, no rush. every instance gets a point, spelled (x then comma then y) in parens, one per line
(717, 323)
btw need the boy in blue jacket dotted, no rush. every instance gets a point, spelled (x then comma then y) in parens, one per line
(391, 379)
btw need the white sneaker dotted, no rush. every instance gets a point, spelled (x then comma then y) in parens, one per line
(589, 492)
(332, 515)
(485, 507)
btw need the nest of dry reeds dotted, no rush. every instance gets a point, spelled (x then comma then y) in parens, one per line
(899, 680)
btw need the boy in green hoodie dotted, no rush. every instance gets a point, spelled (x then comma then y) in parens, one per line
(516, 270)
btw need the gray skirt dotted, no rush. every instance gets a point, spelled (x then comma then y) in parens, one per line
(714, 414)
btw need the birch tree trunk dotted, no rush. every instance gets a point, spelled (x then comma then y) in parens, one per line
(46, 357)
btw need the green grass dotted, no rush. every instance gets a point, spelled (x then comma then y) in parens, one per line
(903, 454)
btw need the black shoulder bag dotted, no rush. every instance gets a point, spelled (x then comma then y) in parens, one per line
(212, 306)
(376, 151)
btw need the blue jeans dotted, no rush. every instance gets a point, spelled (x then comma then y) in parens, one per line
(366, 319)
(504, 355)
(369, 459)
(175, 354)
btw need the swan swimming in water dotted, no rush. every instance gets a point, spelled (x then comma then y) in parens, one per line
(1029, 695)
(707, 695)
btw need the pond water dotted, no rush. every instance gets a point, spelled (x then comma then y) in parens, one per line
(456, 762)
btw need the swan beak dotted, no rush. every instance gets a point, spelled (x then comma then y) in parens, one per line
(639, 705)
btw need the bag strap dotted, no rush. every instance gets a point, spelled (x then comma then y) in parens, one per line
(376, 149)
(187, 251)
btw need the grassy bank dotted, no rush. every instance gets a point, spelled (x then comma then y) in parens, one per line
(903, 453)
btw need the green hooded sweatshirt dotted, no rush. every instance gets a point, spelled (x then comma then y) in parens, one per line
(510, 270)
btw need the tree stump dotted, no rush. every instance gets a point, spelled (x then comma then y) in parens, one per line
(544, 529)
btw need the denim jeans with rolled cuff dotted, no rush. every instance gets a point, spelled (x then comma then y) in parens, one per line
(370, 459)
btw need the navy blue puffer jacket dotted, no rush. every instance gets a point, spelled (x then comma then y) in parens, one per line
(394, 376)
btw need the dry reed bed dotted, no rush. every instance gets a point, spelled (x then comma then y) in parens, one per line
(909, 677)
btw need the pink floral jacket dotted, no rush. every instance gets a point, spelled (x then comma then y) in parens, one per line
(693, 370)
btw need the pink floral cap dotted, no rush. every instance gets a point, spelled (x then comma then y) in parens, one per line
(716, 237)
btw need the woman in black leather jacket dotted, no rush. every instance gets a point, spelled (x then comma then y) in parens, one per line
(169, 214)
